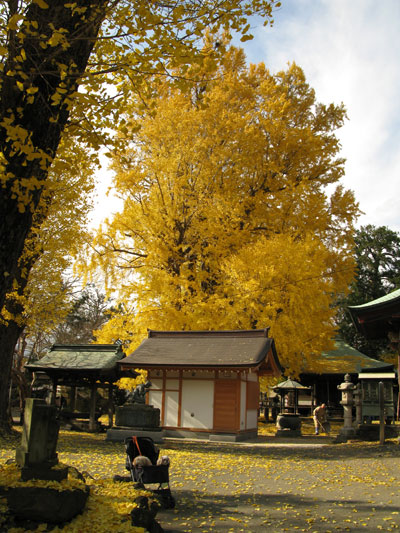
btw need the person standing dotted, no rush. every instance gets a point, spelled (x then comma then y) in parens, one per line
(319, 416)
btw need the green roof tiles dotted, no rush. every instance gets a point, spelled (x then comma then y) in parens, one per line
(346, 359)
(392, 296)
(90, 357)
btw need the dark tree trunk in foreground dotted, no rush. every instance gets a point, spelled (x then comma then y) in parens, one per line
(43, 115)
(8, 339)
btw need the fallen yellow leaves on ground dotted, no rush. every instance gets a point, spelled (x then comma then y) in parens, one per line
(243, 487)
(109, 504)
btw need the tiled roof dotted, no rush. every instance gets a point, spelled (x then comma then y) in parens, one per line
(243, 348)
(388, 298)
(83, 357)
(344, 359)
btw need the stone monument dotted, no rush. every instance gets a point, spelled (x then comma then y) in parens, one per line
(136, 417)
(37, 459)
(135, 412)
(37, 454)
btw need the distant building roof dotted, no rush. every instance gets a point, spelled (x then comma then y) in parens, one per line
(85, 360)
(379, 302)
(344, 359)
(375, 319)
(234, 349)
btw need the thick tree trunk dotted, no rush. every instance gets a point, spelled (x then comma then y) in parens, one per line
(43, 115)
(8, 339)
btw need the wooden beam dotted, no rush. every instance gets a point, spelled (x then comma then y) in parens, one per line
(110, 406)
(92, 416)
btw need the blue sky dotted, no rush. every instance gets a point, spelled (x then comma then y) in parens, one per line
(350, 52)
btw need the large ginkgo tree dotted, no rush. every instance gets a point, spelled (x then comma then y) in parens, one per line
(226, 221)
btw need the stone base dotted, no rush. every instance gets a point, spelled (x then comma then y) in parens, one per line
(137, 415)
(41, 472)
(288, 421)
(228, 437)
(39, 504)
(117, 434)
(207, 435)
(345, 434)
(288, 433)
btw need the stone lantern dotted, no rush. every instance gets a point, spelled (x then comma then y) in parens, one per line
(288, 421)
(347, 389)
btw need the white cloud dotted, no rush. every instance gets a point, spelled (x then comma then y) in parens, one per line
(350, 53)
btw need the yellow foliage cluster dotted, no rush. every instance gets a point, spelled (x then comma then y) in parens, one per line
(59, 231)
(227, 222)
(66, 70)
(10, 476)
(134, 43)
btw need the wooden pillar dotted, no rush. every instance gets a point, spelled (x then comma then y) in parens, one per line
(110, 405)
(92, 414)
(381, 413)
(163, 416)
(72, 397)
(398, 381)
(54, 392)
(180, 399)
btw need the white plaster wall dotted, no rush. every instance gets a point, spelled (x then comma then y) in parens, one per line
(243, 405)
(156, 384)
(197, 404)
(251, 419)
(252, 376)
(171, 408)
(172, 384)
(155, 398)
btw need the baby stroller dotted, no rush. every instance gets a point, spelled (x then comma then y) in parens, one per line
(143, 474)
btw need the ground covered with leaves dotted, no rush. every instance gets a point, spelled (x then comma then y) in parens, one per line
(310, 485)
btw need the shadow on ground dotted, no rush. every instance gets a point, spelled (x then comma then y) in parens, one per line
(197, 511)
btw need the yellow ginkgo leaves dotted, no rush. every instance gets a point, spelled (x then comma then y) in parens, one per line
(226, 223)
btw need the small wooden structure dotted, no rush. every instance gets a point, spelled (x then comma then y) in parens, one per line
(369, 380)
(206, 382)
(289, 394)
(380, 319)
(84, 365)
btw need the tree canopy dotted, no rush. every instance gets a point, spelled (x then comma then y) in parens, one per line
(226, 220)
(377, 256)
(51, 50)
(66, 70)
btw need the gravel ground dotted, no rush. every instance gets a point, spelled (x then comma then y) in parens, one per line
(283, 487)
(305, 484)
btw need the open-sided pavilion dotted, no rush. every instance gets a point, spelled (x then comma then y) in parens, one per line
(92, 366)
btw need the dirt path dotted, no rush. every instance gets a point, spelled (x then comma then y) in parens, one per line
(343, 487)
